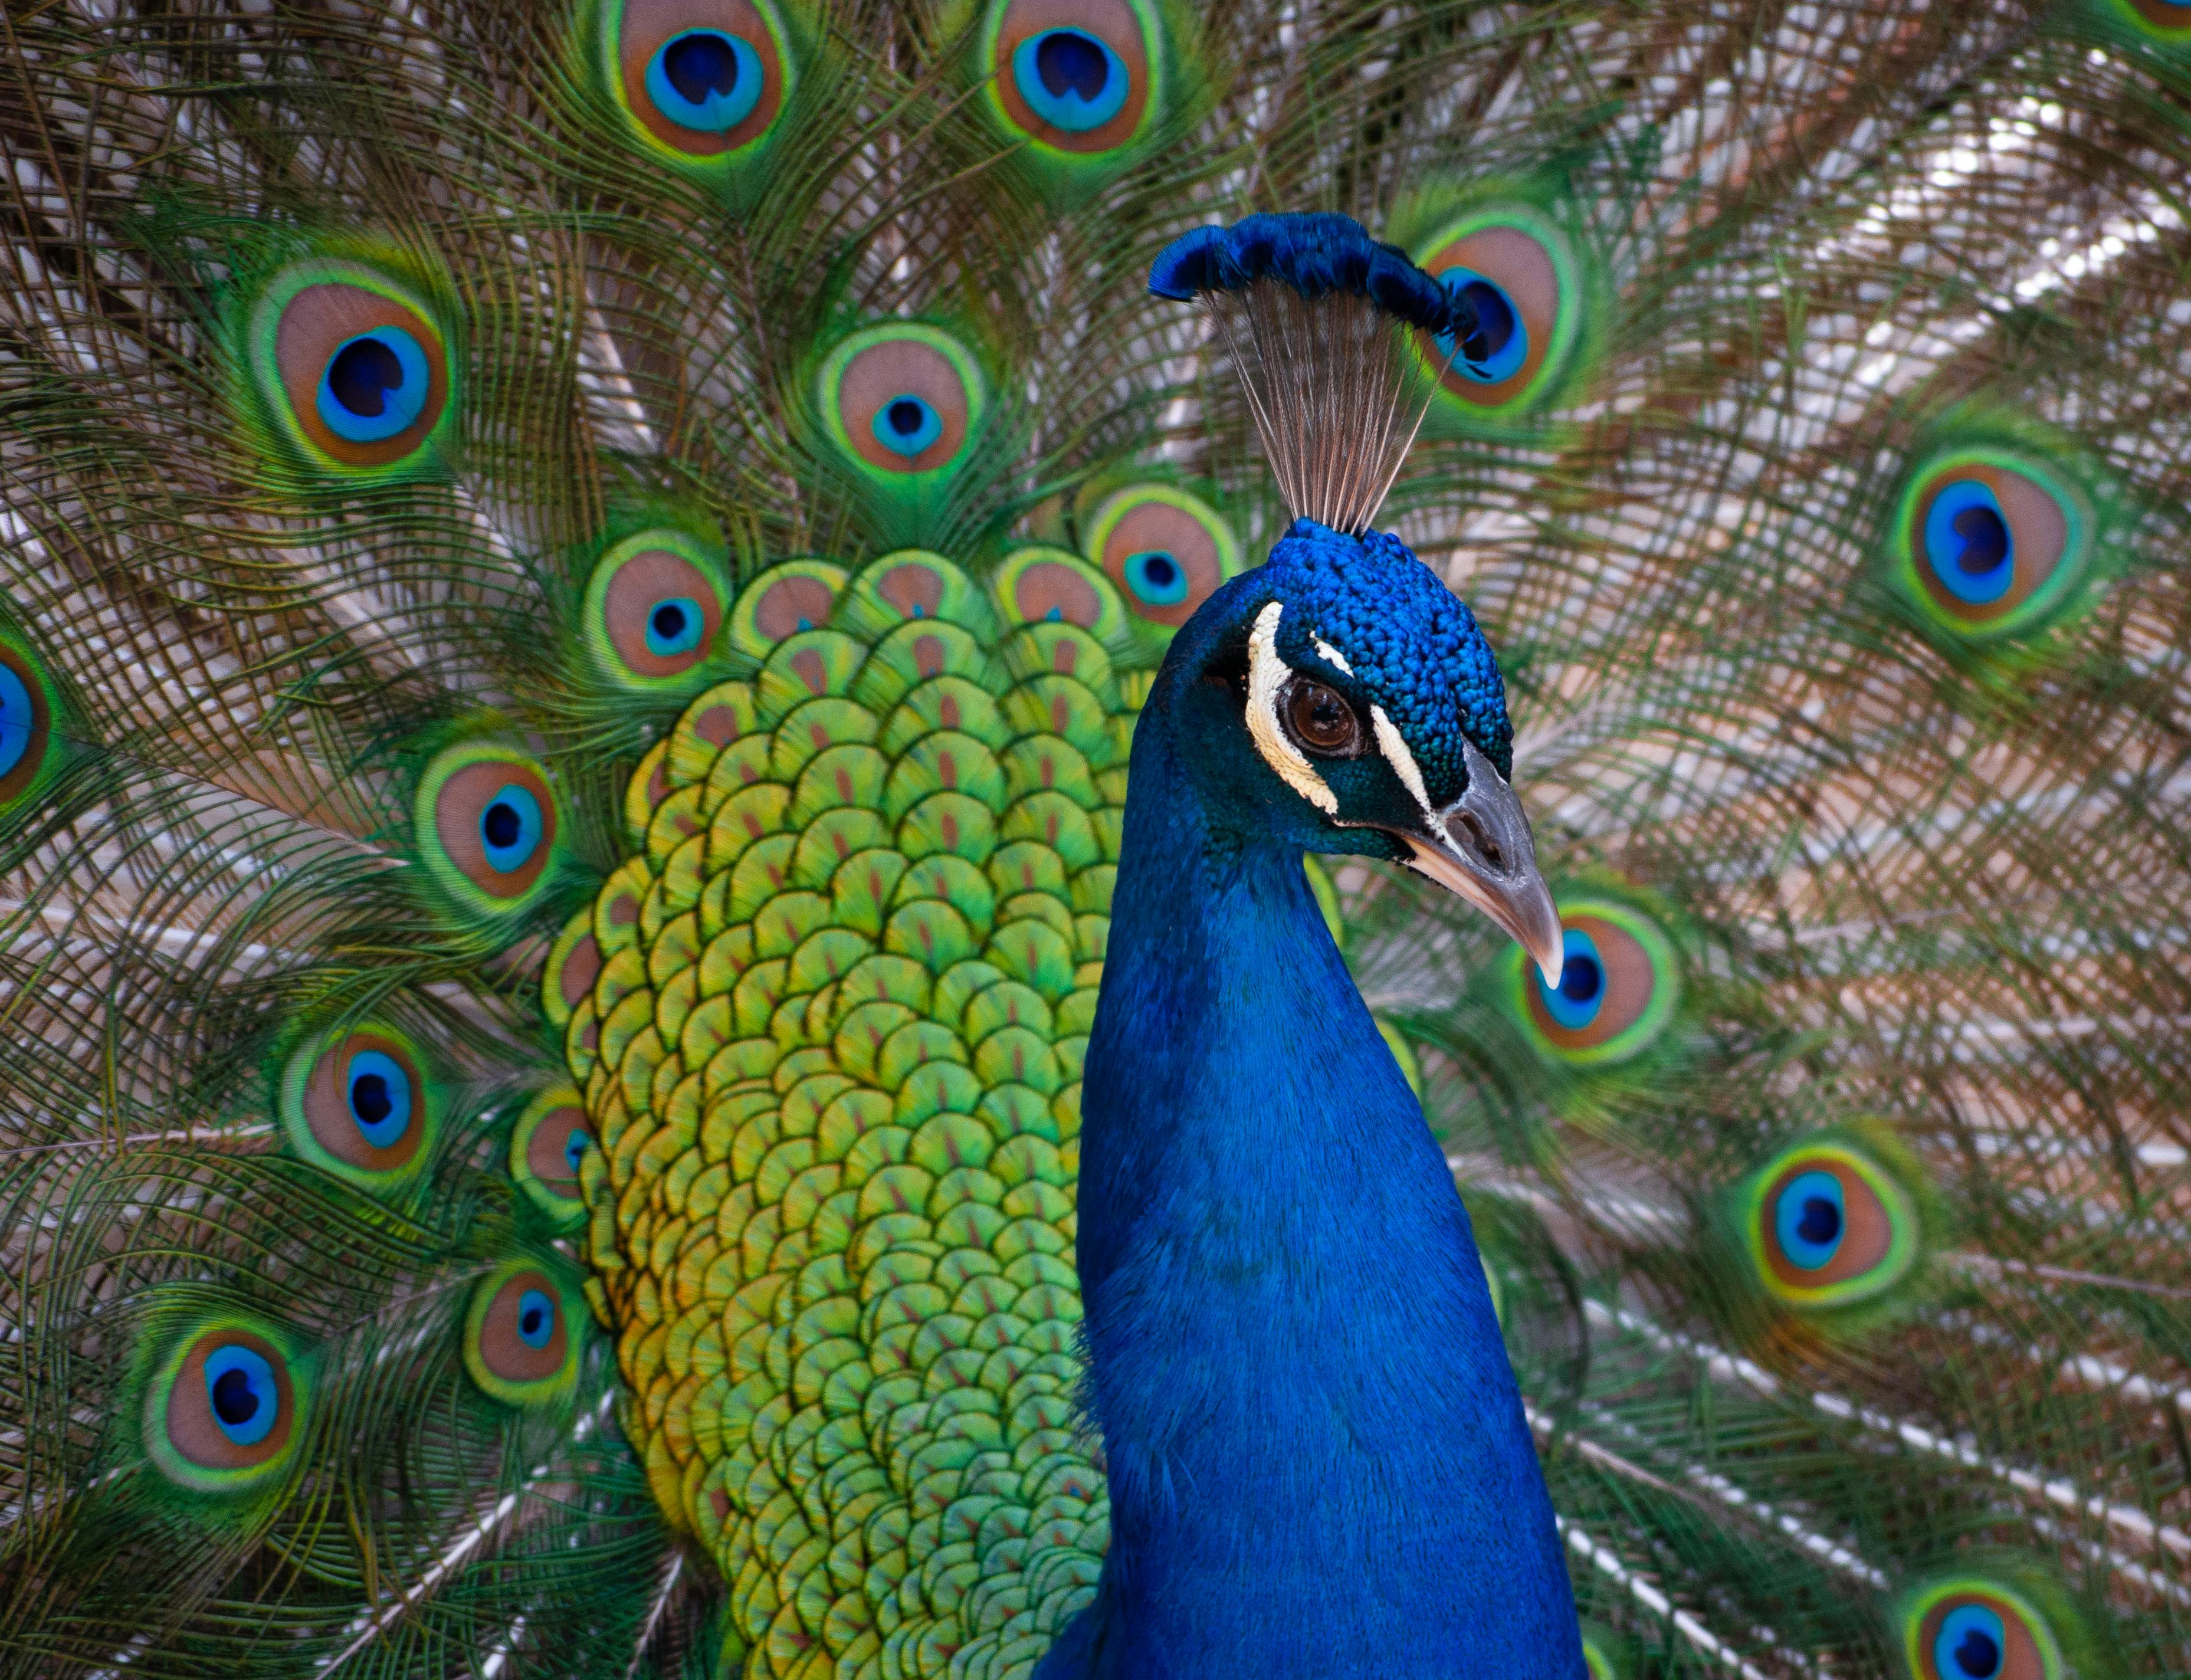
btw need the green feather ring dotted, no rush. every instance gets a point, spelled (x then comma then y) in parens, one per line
(1992, 540)
(362, 1103)
(546, 1148)
(1827, 1225)
(1619, 987)
(654, 608)
(489, 832)
(31, 746)
(349, 371)
(704, 86)
(904, 403)
(226, 1404)
(522, 1338)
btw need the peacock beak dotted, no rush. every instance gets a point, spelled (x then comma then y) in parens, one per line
(1479, 846)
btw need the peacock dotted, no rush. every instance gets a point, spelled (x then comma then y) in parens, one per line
(1525, 664)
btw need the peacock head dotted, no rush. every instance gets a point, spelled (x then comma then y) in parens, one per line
(1339, 699)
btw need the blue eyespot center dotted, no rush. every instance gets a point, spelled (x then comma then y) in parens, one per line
(1581, 980)
(509, 829)
(1971, 1645)
(1810, 1220)
(1071, 79)
(674, 626)
(17, 717)
(1156, 578)
(378, 1091)
(1575, 1001)
(906, 425)
(574, 1149)
(241, 1388)
(1968, 544)
(705, 80)
(1494, 347)
(1820, 1222)
(233, 1402)
(536, 1318)
(374, 386)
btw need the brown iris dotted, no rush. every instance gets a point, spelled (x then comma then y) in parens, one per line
(1321, 720)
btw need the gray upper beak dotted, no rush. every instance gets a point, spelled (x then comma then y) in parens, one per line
(1479, 846)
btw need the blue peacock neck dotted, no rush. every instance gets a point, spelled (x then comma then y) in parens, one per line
(1319, 1463)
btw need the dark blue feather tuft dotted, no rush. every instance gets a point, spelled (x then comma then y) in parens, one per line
(1315, 252)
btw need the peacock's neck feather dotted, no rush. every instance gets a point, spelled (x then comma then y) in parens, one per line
(1317, 1451)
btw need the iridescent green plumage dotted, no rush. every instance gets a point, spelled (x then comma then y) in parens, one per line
(836, 1102)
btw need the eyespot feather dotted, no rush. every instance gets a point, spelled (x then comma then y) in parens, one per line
(522, 1338)
(360, 1100)
(348, 365)
(1166, 549)
(1618, 988)
(226, 1406)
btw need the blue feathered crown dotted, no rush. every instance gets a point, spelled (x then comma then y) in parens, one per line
(1338, 338)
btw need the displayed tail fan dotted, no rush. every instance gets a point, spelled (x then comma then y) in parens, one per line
(577, 587)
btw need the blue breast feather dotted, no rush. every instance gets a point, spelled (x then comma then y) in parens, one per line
(1318, 1460)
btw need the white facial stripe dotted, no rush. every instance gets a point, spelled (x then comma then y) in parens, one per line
(1266, 676)
(1390, 744)
(1332, 657)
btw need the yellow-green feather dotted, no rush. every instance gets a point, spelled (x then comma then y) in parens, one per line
(837, 1095)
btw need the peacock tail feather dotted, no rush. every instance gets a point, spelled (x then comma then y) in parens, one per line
(575, 587)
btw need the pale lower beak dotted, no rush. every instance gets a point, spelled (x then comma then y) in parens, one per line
(1479, 846)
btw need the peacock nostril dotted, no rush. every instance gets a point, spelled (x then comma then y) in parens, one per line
(1470, 830)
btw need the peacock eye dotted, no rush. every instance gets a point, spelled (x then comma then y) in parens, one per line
(1992, 541)
(355, 366)
(358, 1104)
(1829, 1227)
(1975, 1627)
(225, 1415)
(1522, 282)
(521, 1344)
(704, 84)
(654, 604)
(1320, 718)
(905, 401)
(1619, 986)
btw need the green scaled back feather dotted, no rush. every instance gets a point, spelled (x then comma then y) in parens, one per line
(655, 1257)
